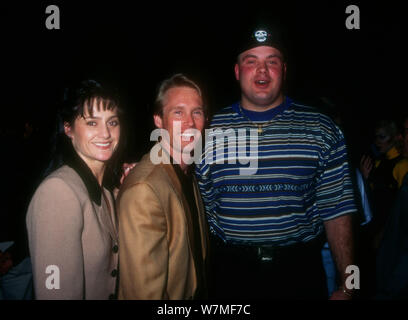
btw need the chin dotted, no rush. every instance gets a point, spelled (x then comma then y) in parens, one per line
(104, 157)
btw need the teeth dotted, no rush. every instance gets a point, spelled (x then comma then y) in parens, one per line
(261, 81)
(103, 144)
(188, 135)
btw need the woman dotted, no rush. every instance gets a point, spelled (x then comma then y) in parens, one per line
(71, 220)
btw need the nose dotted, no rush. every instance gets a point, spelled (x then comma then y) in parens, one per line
(105, 132)
(189, 121)
(262, 66)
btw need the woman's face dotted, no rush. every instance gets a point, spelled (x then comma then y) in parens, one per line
(383, 140)
(95, 137)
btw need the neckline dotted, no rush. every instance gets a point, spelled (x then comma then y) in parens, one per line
(264, 115)
(85, 173)
(263, 118)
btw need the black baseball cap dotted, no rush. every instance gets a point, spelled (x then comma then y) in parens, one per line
(261, 35)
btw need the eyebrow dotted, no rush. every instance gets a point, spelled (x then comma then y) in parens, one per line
(96, 118)
(255, 56)
(182, 107)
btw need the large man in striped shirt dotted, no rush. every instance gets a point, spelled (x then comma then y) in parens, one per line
(268, 223)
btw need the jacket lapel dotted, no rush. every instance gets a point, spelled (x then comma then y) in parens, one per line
(174, 180)
(178, 189)
(106, 215)
(205, 240)
(100, 197)
(111, 221)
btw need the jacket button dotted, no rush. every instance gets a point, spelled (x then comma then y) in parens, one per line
(114, 273)
(115, 249)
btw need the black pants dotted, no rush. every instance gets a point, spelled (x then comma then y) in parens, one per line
(244, 272)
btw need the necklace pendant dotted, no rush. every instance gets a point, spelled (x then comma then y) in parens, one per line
(260, 130)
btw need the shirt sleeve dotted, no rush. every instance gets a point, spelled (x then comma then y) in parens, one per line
(54, 224)
(143, 247)
(334, 191)
(207, 191)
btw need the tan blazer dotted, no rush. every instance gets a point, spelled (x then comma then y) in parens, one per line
(68, 230)
(156, 235)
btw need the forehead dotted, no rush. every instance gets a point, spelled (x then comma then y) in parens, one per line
(99, 108)
(381, 130)
(182, 97)
(261, 52)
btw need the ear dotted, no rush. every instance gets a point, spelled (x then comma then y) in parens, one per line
(284, 71)
(67, 129)
(158, 121)
(236, 70)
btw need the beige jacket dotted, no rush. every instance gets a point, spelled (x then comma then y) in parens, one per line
(67, 229)
(157, 260)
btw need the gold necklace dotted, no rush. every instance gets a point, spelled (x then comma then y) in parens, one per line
(259, 125)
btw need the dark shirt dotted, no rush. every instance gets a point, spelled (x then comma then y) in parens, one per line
(384, 189)
(187, 185)
(392, 257)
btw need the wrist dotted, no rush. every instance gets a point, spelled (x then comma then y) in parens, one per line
(347, 292)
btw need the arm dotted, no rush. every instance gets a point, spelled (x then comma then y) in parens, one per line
(54, 225)
(336, 203)
(127, 167)
(366, 165)
(207, 191)
(143, 248)
(340, 238)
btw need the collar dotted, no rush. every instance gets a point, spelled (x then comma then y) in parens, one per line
(392, 153)
(190, 169)
(81, 168)
(181, 174)
(263, 115)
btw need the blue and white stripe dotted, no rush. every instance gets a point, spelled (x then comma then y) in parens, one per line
(302, 178)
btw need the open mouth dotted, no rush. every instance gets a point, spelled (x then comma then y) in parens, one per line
(101, 145)
(187, 136)
(262, 83)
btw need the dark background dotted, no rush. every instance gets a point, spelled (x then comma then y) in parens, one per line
(136, 45)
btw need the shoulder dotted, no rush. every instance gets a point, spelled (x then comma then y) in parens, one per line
(310, 113)
(144, 171)
(401, 167)
(60, 191)
(311, 117)
(225, 116)
(64, 178)
(301, 107)
(229, 110)
(402, 163)
(146, 174)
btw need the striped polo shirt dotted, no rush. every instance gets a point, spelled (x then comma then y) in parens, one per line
(301, 176)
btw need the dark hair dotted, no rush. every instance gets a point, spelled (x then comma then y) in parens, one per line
(176, 81)
(389, 125)
(79, 100)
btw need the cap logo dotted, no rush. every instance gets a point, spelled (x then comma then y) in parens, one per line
(261, 35)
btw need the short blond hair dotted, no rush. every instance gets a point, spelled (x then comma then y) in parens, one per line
(176, 81)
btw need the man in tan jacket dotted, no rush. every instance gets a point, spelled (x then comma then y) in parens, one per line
(162, 228)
